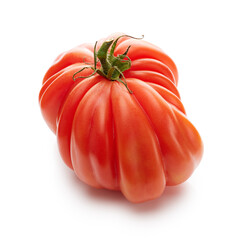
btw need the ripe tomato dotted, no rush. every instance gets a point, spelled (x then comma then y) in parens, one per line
(119, 122)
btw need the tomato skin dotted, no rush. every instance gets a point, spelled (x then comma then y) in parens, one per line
(135, 142)
(66, 116)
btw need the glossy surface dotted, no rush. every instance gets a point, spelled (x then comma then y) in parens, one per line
(137, 143)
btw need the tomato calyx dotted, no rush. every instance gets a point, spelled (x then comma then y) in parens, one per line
(112, 67)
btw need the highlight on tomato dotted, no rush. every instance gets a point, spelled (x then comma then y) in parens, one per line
(118, 118)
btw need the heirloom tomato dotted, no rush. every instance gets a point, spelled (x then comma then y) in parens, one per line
(116, 111)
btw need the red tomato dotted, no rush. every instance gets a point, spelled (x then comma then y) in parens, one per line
(119, 122)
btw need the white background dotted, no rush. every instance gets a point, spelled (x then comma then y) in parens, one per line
(41, 197)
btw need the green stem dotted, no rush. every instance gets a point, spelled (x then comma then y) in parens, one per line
(102, 56)
(112, 67)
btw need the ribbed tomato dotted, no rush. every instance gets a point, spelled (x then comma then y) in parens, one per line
(119, 122)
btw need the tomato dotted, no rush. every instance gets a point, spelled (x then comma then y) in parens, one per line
(116, 111)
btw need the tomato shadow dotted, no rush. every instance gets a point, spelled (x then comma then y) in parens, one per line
(104, 197)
